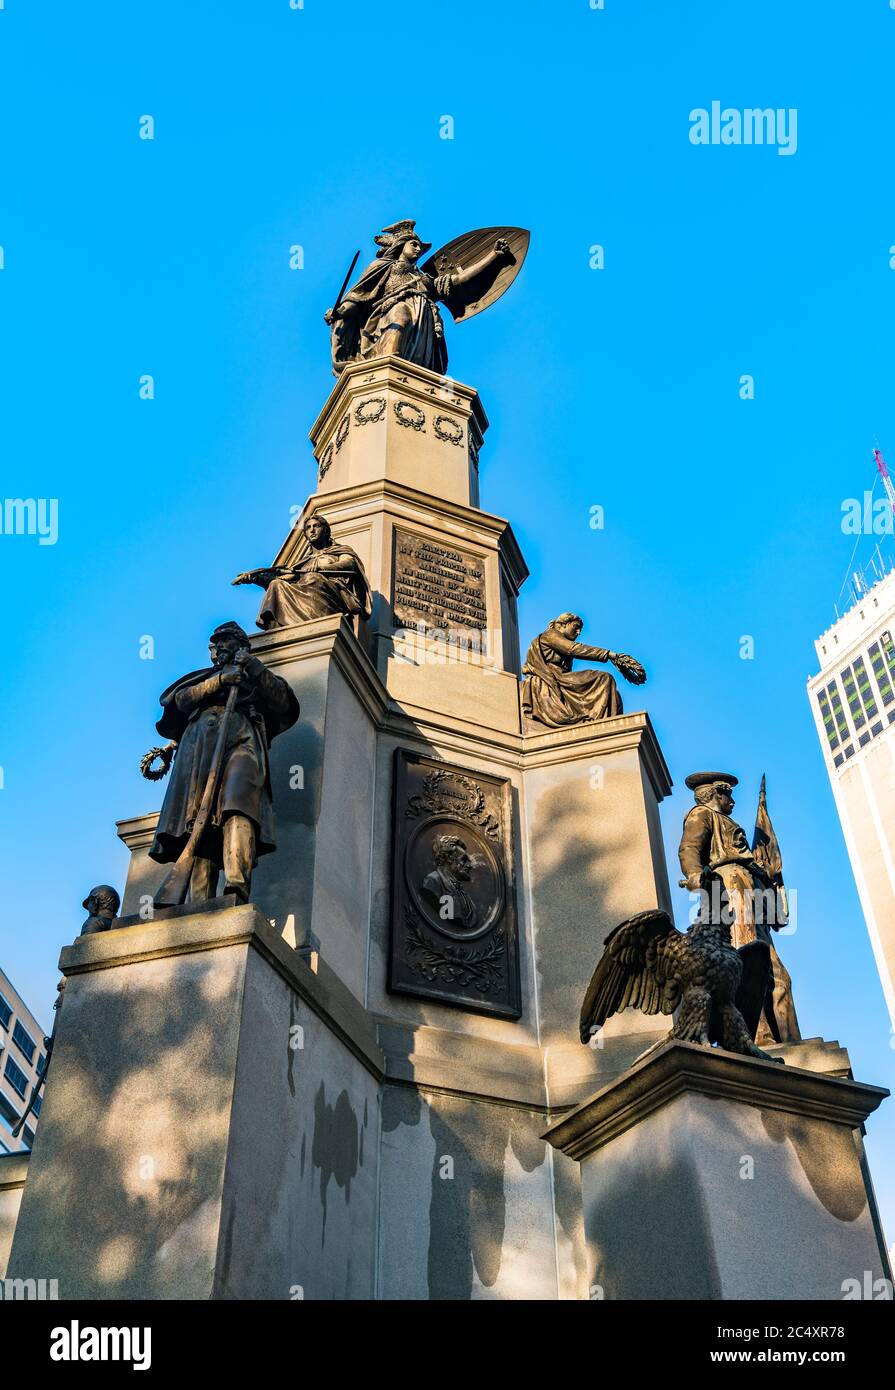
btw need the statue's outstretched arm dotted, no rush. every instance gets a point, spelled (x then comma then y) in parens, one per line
(582, 652)
(261, 577)
(499, 251)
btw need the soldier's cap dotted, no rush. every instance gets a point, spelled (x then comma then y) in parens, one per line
(233, 630)
(105, 896)
(702, 779)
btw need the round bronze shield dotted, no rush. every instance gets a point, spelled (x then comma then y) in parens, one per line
(464, 252)
(454, 878)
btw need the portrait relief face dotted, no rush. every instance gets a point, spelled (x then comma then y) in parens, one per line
(454, 878)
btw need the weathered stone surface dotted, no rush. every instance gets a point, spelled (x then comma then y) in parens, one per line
(707, 1175)
(236, 1156)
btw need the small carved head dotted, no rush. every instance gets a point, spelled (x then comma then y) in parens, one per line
(449, 852)
(102, 901)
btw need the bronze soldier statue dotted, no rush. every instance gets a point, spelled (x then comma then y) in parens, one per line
(331, 579)
(554, 694)
(716, 859)
(218, 811)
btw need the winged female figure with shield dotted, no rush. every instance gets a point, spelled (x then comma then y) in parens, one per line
(393, 308)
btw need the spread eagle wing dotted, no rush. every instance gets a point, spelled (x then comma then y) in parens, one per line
(636, 969)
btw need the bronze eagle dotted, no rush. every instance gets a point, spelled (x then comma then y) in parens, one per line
(648, 964)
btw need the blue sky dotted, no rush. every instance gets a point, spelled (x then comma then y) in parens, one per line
(617, 388)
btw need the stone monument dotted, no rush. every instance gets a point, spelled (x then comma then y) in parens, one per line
(339, 1087)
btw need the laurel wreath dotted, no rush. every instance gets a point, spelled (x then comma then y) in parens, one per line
(452, 964)
(630, 669)
(442, 433)
(418, 423)
(163, 755)
(342, 431)
(365, 417)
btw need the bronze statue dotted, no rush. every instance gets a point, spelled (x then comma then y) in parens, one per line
(331, 579)
(218, 811)
(102, 904)
(716, 859)
(648, 964)
(556, 695)
(393, 307)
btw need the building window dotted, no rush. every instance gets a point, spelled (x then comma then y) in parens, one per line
(849, 752)
(851, 695)
(41, 1063)
(24, 1041)
(882, 675)
(865, 738)
(36, 1104)
(826, 715)
(842, 728)
(885, 641)
(8, 1113)
(838, 760)
(865, 689)
(16, 1077)
(876, 728)
(5, 1012)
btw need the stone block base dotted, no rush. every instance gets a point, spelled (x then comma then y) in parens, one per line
(706, 1175)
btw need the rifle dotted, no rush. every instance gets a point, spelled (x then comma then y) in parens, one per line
(176, 883)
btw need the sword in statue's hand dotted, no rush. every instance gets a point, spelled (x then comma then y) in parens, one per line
(331, 313)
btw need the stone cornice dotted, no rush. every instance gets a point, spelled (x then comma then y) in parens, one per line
(137, 832)
(368, 499)
(415, 383)
(225, 928)
(606, 736)
(578, 742)
(679, 1068)
(335, 638)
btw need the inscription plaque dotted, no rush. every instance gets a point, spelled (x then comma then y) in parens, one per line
(439, 587)
(453, 923)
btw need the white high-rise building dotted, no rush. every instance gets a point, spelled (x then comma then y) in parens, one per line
(853, 699)
(22, 1059)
